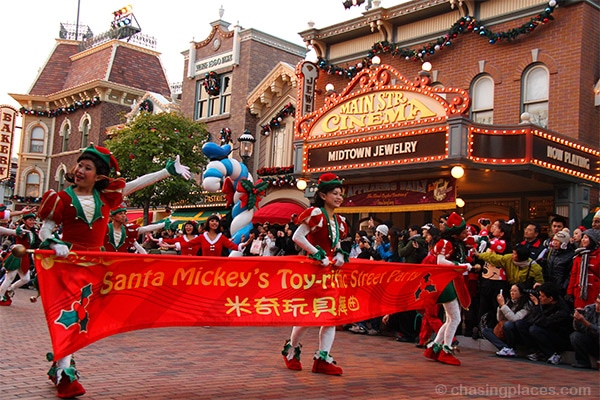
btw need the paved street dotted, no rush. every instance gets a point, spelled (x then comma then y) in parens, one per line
(233, 363)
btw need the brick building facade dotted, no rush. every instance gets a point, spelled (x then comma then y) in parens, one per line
(528, 142)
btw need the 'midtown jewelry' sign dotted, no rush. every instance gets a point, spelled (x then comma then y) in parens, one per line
(384, 150)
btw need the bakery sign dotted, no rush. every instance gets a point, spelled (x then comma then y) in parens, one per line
(8, 119)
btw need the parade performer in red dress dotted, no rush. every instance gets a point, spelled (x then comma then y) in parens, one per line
(122, 236)
(26, 235)
(212, 241)
(182, 243)
(83, 210)
(319, 233)
(450, 249)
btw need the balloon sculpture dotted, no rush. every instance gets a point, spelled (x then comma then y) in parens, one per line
(236, 183)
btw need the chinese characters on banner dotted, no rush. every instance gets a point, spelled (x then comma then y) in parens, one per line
(92, 295)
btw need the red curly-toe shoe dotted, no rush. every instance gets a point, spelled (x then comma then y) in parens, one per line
(432, 355)
(67, 389)
(294, 364)
(5, 301)
(321, 366)
(448, 358)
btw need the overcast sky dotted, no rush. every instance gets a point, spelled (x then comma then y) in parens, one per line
(29, 28)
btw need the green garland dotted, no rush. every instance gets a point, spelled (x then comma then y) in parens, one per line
(466, 24)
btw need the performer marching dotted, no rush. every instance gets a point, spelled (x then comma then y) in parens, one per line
(83, 210)
(26, 234)
(319, 233)
(122, 236)
(450, 249)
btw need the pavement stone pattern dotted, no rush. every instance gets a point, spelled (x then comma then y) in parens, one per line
(246, 363)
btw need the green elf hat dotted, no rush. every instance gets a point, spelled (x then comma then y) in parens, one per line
(327, 181)
(2, 207)
(455, 223)
(29, 215)
(122, 207)
(105, 155)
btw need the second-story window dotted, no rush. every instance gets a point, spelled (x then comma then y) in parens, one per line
(65, 133)
(36, 142)
(482, 93)
(535, 87)
(208, 105)
(32, 185)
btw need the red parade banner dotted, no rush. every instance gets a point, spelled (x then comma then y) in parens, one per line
(91, 295)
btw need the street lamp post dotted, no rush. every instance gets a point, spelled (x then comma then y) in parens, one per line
(246, 141)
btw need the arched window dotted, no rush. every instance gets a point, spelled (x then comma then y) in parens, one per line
(61, 180)
(65, 132)
(482, 93)
(32, 185)
(85, 131)
(36, 140)
(535, 89)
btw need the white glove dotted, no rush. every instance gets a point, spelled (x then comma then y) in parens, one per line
(181, 169)
(60, 250)
(469, 266)
(338, 260)
(325, 262)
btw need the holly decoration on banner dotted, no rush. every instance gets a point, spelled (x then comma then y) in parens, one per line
(212, 83)
(289, 109)
(467, 24)
(251, 193)
(62, 110)
(78, 313)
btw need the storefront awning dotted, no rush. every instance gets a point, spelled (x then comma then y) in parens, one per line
(276, 213)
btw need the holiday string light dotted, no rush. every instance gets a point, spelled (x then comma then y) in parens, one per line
(467, 24)
(62, 110)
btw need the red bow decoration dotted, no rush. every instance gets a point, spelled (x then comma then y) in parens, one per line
(228, 191)
(251, 194)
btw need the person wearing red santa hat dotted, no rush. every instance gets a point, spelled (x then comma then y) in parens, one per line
(83, 210)
(319, 234)
(450, 249)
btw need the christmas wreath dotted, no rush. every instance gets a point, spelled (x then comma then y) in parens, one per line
(212, 83)
(147, 106)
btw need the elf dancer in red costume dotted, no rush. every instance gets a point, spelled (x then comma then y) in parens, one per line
(450, 249)
(122, 236)
(212, 240)
(182, 243)
(26, 235)
(319, 233)
(83, 210)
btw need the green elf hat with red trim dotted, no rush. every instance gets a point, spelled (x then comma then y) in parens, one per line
(327, 181)
(455, 223)
(105, 155)
(122, 207)
(2, 207)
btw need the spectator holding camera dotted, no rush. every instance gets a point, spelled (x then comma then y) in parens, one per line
(585, 339)
(519, 267)
(545, 330)
(415, 249)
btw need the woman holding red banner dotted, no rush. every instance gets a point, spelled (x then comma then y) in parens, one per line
(450, 249)
(83, 209)
(182, 243)
(319, 233)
